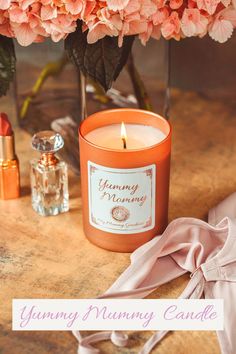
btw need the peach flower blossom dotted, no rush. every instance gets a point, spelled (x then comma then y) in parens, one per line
(176, 4)
(74, 6)
(32, 20)
(193, 23)
(117, 4)
(208, 5)
(5, 4)
(223, 25)
(171, 26)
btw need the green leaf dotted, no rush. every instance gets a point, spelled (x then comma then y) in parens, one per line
(7, 63)
(103, 60)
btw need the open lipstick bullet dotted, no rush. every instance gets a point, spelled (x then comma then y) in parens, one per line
(9, 164)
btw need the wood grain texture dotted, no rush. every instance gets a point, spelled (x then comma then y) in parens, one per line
(50, 257)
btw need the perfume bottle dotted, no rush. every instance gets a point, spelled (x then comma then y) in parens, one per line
(49, 177)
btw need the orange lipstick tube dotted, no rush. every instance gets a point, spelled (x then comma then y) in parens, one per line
(9, 164)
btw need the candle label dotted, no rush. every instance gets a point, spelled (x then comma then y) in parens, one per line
(122, 200)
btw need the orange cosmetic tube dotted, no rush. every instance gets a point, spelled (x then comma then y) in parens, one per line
(9, 169)
(124, 192)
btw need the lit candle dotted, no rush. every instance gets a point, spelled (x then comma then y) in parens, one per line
(135, 136)
(125, 165)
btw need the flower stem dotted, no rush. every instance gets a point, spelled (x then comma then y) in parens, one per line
(50, 69)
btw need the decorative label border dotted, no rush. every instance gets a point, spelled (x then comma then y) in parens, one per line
(149, 170)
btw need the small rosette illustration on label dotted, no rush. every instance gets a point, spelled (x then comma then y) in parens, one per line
(120, 213)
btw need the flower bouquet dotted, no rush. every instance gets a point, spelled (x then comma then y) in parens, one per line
(99, 34)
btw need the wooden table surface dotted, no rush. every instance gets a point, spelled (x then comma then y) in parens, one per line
(50, 257)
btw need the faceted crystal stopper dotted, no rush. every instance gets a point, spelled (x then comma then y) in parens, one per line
(47, 141)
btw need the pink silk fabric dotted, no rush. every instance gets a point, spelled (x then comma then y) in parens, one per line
(206, 250)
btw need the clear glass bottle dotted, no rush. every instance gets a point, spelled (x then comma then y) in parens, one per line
(49, 177)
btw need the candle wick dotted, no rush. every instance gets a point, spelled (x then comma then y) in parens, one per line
(124, 143)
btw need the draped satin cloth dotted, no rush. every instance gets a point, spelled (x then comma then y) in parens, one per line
(206, 250)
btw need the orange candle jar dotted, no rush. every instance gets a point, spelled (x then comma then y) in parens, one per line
(125, 172)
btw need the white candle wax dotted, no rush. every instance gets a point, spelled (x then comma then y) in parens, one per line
(138, 136)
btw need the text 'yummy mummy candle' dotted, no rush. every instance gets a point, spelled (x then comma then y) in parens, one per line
(125, 167)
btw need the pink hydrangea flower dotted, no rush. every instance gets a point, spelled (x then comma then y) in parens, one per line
(193, 23)
(176, 4)
(171, 26)
(115, 5)
(74, 6)
(5, 4)
(221, 28)
(32, 20)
